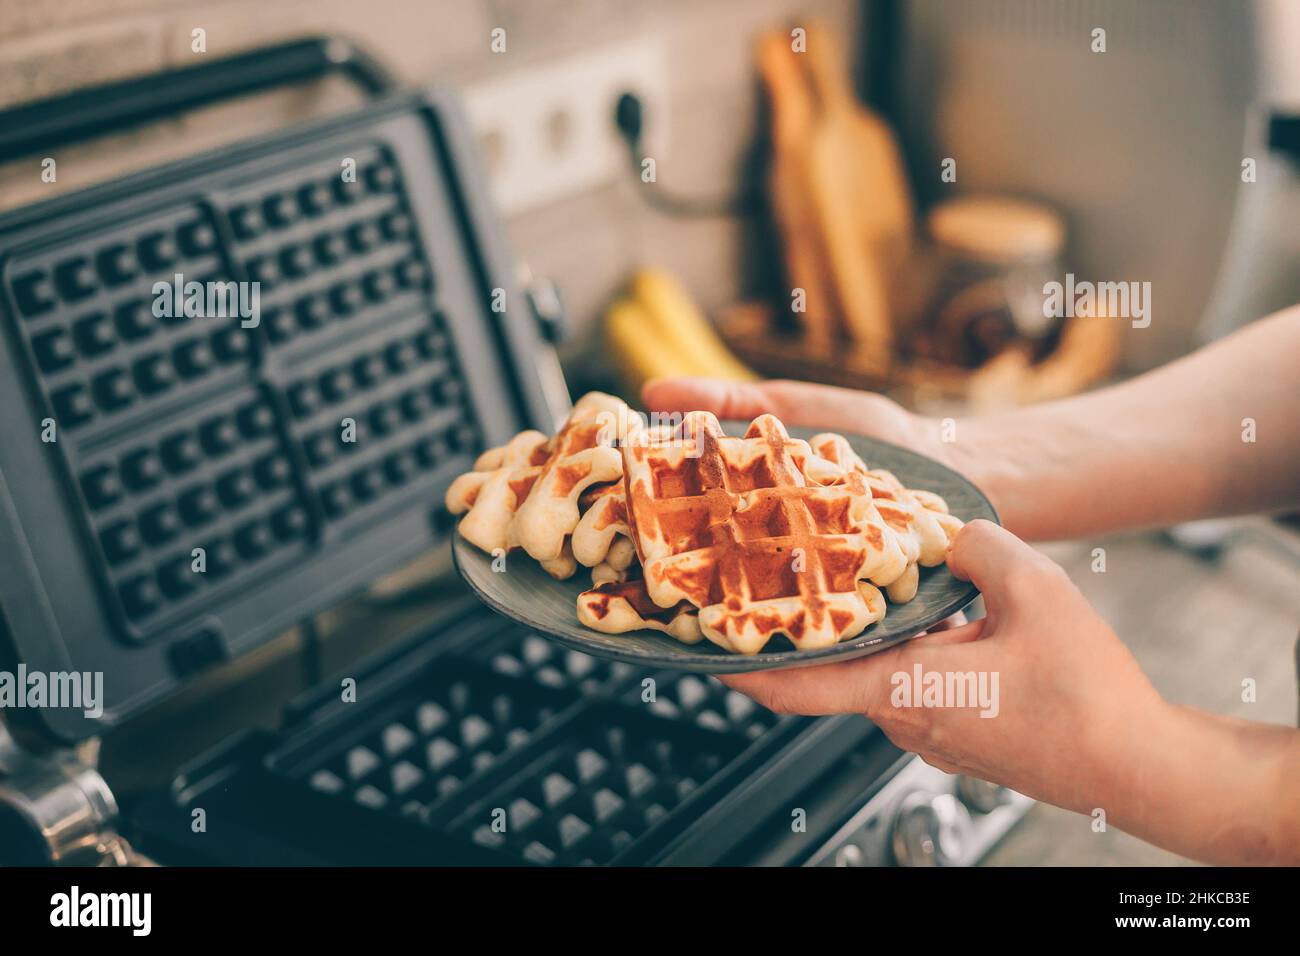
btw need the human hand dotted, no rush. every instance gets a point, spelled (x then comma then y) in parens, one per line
(836, 409)
(802, 403)
(1057, 708)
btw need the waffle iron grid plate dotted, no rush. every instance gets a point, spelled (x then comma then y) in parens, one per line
(177, 433)
(532, 753)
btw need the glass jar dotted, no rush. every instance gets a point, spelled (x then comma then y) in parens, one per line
(994, 254)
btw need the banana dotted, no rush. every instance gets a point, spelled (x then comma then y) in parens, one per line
(684, 329)
(638, 352)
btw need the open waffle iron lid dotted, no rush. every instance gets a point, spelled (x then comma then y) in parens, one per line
(176, 490)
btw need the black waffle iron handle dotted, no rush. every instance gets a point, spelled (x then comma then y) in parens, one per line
(112, 107)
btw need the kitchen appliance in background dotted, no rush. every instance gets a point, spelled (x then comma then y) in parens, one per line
(174, 433)
(297, 449)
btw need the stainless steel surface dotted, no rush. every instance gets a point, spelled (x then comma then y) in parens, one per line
(61, 811)
(930, 829)
(980, 795)
(919, 819)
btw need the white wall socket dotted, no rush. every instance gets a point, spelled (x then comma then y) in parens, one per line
(547, 131)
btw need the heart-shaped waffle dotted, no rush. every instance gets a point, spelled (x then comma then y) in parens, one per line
(741, 528)
(525, 494)
(919, 519)
(489, 495)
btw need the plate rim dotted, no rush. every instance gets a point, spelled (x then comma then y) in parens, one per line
(725, 663)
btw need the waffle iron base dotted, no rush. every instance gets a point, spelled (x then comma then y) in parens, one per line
(481, 744)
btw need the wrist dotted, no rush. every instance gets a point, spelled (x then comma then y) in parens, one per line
(975, 450)
(1205, 786)
(1127, 753)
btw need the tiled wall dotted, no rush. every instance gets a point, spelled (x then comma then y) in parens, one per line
(588, 243)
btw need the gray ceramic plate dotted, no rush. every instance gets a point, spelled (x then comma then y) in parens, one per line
(532, 597)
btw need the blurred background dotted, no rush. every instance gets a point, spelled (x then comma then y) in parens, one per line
(1134, 154)
(864, 192)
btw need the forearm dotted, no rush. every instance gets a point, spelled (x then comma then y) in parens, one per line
(1171, 445)
(1213, 788)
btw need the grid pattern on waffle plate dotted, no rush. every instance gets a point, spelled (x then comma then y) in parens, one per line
(177, 432)
(544, 662)
(462, 749)
(204, 506)
(85, 310)
(372, 423)
(683, 698)
(598, 789)
(701, 701)
(339, 258)
(443, 731)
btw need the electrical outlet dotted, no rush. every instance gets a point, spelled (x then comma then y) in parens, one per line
(547, 131)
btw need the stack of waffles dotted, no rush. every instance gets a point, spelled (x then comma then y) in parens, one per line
(701, 535)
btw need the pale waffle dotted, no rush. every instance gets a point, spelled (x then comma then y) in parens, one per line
(740, 528)
(489, 495)
(602, 540)
(616, 607)
(525, 494)
(919, 519)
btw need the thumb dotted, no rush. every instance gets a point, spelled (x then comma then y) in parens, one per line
(741, 400)
(795, 403)
(1004, 568)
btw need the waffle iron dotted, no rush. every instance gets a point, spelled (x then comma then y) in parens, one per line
(388, 304)
(132, 439)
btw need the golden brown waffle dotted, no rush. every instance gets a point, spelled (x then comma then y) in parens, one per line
(740, 539)
(739, 528)
(525, 494)
(602, 539)
(616, 607)
(918, 519)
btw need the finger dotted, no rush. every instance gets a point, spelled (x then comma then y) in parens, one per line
(941, 763)
(1002, 566)
(826, 406)
(859, 686)
(795, 403)
(812, 691)
(833, 691)
(724, 399)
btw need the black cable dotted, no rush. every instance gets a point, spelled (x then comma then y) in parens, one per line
(630, 119)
